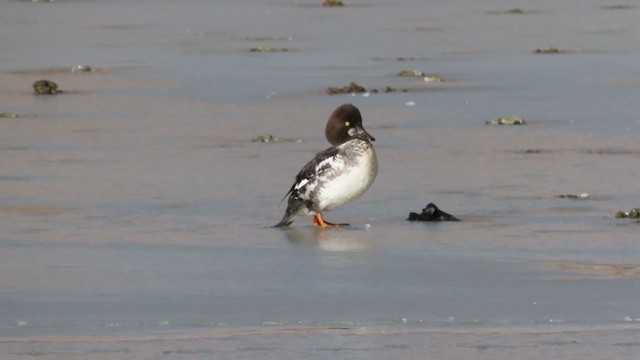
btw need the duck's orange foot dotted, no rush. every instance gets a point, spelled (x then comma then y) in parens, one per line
(318, 220)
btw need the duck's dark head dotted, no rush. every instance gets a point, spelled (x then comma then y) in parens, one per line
(345, 123)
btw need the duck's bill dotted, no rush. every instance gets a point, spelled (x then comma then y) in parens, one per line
(363, 134)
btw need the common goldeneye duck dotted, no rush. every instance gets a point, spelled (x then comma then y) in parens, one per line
(338, 175)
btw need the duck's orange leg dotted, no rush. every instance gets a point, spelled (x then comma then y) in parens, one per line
(318, 220)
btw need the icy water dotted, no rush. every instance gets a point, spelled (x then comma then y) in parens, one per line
(135, 210)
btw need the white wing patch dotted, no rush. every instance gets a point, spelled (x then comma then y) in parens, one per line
(302, 183)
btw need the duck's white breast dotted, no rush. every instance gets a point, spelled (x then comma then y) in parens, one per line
(353, 180)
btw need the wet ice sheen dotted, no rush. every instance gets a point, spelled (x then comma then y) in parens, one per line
(135, 208)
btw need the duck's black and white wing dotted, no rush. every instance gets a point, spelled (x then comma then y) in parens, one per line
(302, 192)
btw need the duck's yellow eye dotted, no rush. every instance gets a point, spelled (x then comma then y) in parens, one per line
(346, 123)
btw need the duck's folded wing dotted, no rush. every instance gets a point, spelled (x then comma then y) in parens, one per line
(322, 163)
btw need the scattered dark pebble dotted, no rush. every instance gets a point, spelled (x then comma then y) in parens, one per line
(411, 73)
(351, 88)
(553, 50)
(617, 7)
(547, 50)
(531, 151)
(417, 73)
(267, 139)
(332, 3)
(354, 88)
(431, 213)
(511, 120)
(613, 151)
(9, 115)
(82, 69)
(631, 214)
(581, 196)
(45, 87)
(389, 89)
(515, 11)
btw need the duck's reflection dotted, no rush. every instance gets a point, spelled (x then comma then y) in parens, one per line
(344, 248)
(333, 240)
